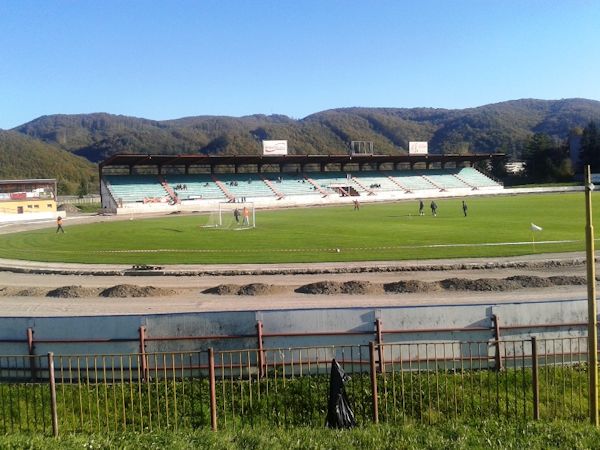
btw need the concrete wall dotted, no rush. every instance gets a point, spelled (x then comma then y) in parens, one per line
(291, 328)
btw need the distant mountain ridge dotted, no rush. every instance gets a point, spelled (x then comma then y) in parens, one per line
(490, 128)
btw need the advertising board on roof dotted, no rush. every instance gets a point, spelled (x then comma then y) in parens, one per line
(275, 147)
(417, 148)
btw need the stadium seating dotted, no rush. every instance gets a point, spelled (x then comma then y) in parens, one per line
(248, 185)
(291, 184)
(376, 181)
(194, 187)
(443, 179)
(476, 179)
(330, 182)
(135, 188)
(272, 185)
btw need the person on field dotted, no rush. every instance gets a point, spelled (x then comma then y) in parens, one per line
(236, 214)
(421, 208)
(59, 221)
(246, 214)
(356, 205)
(433, 208)
(464, 207)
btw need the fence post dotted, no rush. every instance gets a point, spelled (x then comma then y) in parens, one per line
(536, 384)
(52, 394)
(373, 372)
(213, 389)
(378, 329)
(261, 351)
(496, 321)
(31, 348)
(143, 356)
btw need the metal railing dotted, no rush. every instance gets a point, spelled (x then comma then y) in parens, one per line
(426, 382)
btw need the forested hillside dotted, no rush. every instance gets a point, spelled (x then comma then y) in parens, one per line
(497, 127)
(25, 157)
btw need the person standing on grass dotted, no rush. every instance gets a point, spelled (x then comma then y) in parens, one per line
(59, 227)
(433, 208)
(246, 214)
(236, 214)
(464, 207)
(421, 208)
(356, 205)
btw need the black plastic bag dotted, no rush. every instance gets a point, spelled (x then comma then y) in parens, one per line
(339, 412)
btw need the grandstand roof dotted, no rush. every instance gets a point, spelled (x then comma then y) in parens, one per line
(131, 160)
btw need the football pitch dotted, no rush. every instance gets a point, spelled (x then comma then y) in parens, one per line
(495, 226)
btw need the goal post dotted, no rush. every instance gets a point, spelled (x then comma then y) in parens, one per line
(232, 216)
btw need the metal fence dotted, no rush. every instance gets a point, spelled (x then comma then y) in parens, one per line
(393, 382)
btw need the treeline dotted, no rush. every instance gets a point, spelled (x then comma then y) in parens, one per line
(548, 159)
(502, 127)
(22, 157)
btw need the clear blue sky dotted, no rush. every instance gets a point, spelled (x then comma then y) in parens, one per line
(171, 59)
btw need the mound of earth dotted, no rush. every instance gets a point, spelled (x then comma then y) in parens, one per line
(130, 290)
(72, 292)
(246, 289)
(531, 281)
(18, 292)
(223, 289)
(410, 286)
(567, 280)
(69, 208)
(481, 284)
(334, 287)
(258, 289)
(320, 288)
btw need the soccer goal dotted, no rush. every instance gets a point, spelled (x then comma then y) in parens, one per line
(232, 216)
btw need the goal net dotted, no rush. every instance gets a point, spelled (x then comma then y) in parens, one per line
(232, 216)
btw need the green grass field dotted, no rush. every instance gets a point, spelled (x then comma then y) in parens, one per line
(496, 226)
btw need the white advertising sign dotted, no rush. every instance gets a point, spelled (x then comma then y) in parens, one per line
(417, 148)
(274, 147)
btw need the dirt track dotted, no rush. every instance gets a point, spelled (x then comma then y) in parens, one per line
(72, 289)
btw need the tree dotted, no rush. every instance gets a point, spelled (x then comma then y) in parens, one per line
(82, 190)
(590, 147)
(545, 159)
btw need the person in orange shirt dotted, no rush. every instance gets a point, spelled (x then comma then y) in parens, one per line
(246, 215)
(59, 227)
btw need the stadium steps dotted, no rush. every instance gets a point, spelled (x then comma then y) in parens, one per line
(224, 189)
(464, 181)
(400, 185)
(316, 185)
(357, 181)
(169, 190)
(275, 191)
(291, 185)
(248, 185)
(437, 186)
(476, 178)
(135, 188)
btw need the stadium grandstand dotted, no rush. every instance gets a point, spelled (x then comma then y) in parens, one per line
(22, 200)
(138, 183)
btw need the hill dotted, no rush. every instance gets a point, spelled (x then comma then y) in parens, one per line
(497, 127)
(25, 157)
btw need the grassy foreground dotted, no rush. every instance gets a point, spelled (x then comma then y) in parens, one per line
(495, 226)
(484, 434)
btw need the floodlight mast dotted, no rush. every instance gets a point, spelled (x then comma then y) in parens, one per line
(592, 310)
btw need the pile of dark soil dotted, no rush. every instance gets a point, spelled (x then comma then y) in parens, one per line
(410, 286)
(130, 290)
(335, 287)
(246, 289)
(69, 208)
(72, 292)
(567, 280)
(449, 284)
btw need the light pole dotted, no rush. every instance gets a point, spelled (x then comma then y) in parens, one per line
(591, 290)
